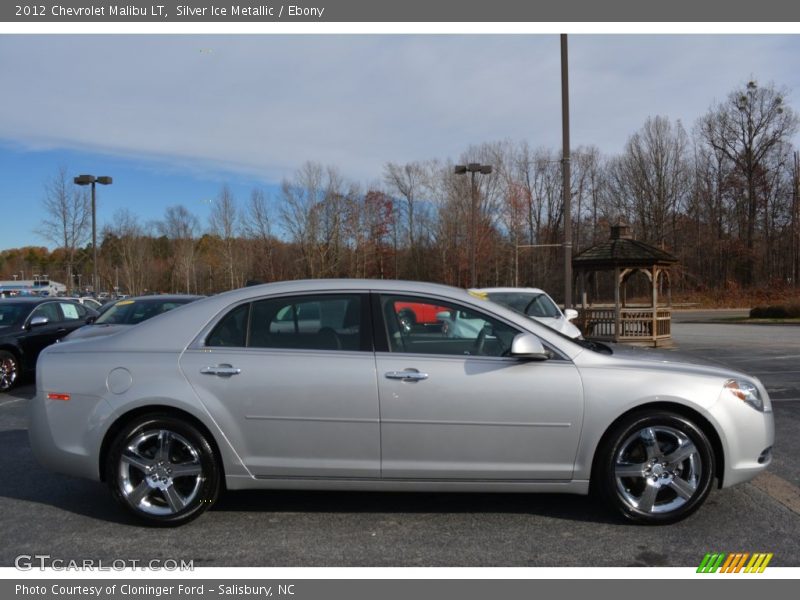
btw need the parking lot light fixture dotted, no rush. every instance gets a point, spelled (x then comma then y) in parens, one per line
(92, 180)
(472, 169)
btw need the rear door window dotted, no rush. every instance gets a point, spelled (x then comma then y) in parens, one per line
(314, 322)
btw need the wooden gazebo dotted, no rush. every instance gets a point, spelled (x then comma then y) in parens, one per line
(624, 256)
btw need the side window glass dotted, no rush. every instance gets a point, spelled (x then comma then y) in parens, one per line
(48, 311)
(231, 331)
(72, 312)
(325, 322)
(416, 325)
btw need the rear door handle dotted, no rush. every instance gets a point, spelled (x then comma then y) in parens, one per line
(406, 375)
(221, 370)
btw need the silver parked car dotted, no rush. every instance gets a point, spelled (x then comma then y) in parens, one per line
(238, 389)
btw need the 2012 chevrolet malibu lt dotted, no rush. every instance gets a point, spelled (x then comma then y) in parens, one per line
(318, 385)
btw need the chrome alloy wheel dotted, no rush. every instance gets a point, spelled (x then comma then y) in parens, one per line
(160, 473)
(657, 469)
(8, 371)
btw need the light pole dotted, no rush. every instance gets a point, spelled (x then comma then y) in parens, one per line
(473, 168)
(86, 180)
(565, 173)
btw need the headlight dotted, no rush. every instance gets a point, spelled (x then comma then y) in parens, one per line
(745, 391)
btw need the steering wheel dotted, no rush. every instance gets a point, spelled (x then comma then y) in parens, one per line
(480, 341)
(407, 320)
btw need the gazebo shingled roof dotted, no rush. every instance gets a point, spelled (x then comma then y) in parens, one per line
(622, 251)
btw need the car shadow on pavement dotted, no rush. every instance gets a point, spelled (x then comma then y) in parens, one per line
(26, 480)
(25, 389)
(33, 483)
(554, 506)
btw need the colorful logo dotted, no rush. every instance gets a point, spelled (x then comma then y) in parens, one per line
(737, 562)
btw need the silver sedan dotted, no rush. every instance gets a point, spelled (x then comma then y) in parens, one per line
(318, 385)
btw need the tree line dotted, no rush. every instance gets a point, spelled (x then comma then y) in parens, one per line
(721, 196)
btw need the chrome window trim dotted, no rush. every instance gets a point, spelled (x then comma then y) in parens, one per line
(199, 342)
(558, 355)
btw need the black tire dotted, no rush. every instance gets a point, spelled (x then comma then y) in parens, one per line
(654, 483)
(9, 371)
(155, 447)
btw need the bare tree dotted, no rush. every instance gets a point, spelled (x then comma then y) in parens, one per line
(587, 184)
(650, 180)
(752, 123)
(223, 222)
(314, 210)
(257, 226)
(408, 182)
(131, 245)
(299, 198)
(67, 219)
(180, 227)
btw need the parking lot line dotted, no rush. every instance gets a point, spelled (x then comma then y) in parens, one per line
(11, 401)
(779, 489)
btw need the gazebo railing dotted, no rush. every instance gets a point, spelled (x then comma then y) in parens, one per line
(635, 324)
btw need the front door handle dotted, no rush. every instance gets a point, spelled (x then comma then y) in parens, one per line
(407, 375)
(221, 370)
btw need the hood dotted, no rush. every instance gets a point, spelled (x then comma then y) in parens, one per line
(664, 361)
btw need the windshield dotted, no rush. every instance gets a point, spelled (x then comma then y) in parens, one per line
(11, 314)
(131, 312)
(527, 303)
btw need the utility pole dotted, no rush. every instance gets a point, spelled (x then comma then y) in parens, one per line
(567, 191)
(795, 218)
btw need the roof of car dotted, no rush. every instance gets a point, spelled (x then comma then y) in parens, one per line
(33, 299)
(161, 298)
(175, 330)
(508, 290)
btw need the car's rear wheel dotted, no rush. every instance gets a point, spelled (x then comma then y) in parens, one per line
(9, 370)
(655, 467)
(163, 470)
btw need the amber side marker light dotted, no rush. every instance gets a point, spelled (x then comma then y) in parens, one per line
(58, 397)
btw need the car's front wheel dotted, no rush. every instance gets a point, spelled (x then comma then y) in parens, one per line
(163, 470)
(655, 467)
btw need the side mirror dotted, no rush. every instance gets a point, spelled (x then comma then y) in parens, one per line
(91, 320)
(37, 322)
(570, 314)
(527, 345)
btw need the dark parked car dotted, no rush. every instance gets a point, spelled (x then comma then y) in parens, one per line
(121, 314)
(28, 325)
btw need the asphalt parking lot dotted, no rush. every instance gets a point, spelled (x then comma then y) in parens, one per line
(72, 519)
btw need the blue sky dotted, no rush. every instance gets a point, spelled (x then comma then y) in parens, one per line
(143, 187)
(174, 117)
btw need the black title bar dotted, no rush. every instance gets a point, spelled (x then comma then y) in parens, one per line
(459, 11)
